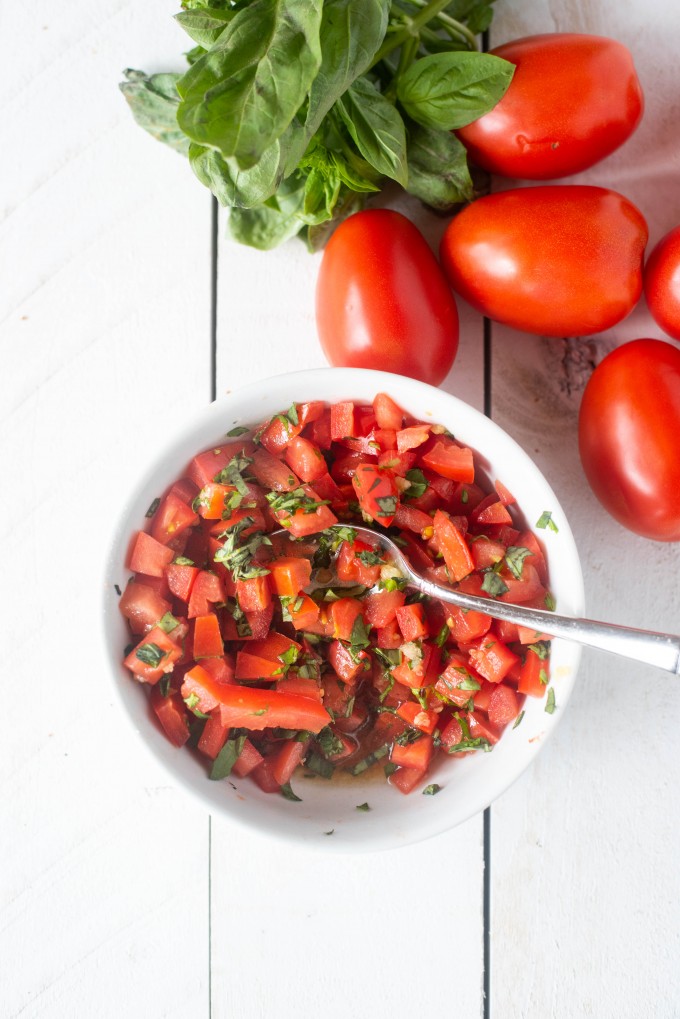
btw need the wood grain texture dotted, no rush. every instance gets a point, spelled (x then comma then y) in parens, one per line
(585, 887)
(104, 868)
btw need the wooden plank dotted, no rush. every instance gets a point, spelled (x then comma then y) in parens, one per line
(585, 882)
(343, 914)
(106, 342)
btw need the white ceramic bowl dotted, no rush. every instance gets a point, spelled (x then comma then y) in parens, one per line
(469, 784)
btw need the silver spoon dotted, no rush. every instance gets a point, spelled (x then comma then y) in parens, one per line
(659, 649)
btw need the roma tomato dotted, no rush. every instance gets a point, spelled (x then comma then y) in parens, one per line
(382, 300)
(572, 101)
(662, 283)
(629, 437)
(559, 260)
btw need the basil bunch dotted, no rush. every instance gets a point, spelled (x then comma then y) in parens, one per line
(292, 112)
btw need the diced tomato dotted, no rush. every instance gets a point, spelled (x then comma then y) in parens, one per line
(263, 775)
(351, 567)
(337, 696)
(450, 460)
(254, 594)
(342, 420)
(377, 493)
(524, 589)
(457, 683)
(149, 556)
(533, 677)
(328, 491)
(221, 669)
(453, 547)
(305, 521)
(181, 579)
(249, 666)
(248, 759)
(172, 715)
(527, 539)
(300, 686)
(153, 657)
(171, 518)
(388, 414)
(259, 621)
(506, 496)
(205, 466)
(486, 552)
(481, 728)
(207, 590)
(213, 499)
(214, 735)
(452, 733)
(406, 779)
(304, 612)
(412, 621)
(253, 514)
(305, 459)
(491, 511)
(418, 717)
(414, 520)
(321, 431)
(286, 760)
(398, 463)
(272, 473)
(503, 706)
(389, 636)
(492, 659)
(413, 755)
(410, 438)
(413, 673)
(207, 637)
(346, 666)
(142, 607)
(380, 608)
(343, 615)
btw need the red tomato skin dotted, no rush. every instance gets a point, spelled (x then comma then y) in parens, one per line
(629, 437)
(539, 131)
(556, 260)
(382, 300)
(662, 283)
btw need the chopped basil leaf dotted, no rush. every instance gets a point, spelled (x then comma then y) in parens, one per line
(408, 736)
(518, 719)
(117, 590)
(359, 637)
(431, 790)
(514, 557)
(443, 635)
(493, 584)
(419, 484)
(543, 677)
(233, 473)
(370, 558)
(292, 502)
(393, 584)
(550, 703)
(288, 793)
(151, 654)
(129, 648)
(389, 768)
(331, 832)
(289, 656)
(237, 555)
(191, 701)
(181, 560)
(168, 623)
(464, 496)
(549, 601)
(330, 744)
(235, 432)
(363, 806)
(546, 520)
(164, 686)
(153, 507)
(541, 648)
(227, 757)
(319, 765)
(387, 505)
(467, 743)
(364, 765)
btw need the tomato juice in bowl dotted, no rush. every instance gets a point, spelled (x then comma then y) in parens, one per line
(466, 785)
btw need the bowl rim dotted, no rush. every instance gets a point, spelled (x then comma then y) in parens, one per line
(187, 431)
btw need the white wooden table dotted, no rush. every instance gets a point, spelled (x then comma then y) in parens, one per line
(119, 895)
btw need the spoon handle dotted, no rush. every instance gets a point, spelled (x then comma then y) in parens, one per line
(659, 649)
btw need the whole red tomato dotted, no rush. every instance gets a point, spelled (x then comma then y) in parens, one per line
(382, 300)
(662, 283)
(629, 437)
(573, 99)
(559, 260)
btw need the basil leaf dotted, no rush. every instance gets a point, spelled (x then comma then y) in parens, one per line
(204, 26)
(450, 90)
(227, 757)
(230, 185)
(493, 584)
(288, 794)
(363, 806)
(546, 520)
(151, 654)
(376, 128)
(514, 557)
(550, 703)
(153, 101)
(431, 790)
(242, 95)
(419, 484)
(267, 226)
(438, 171)
(351, 32)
